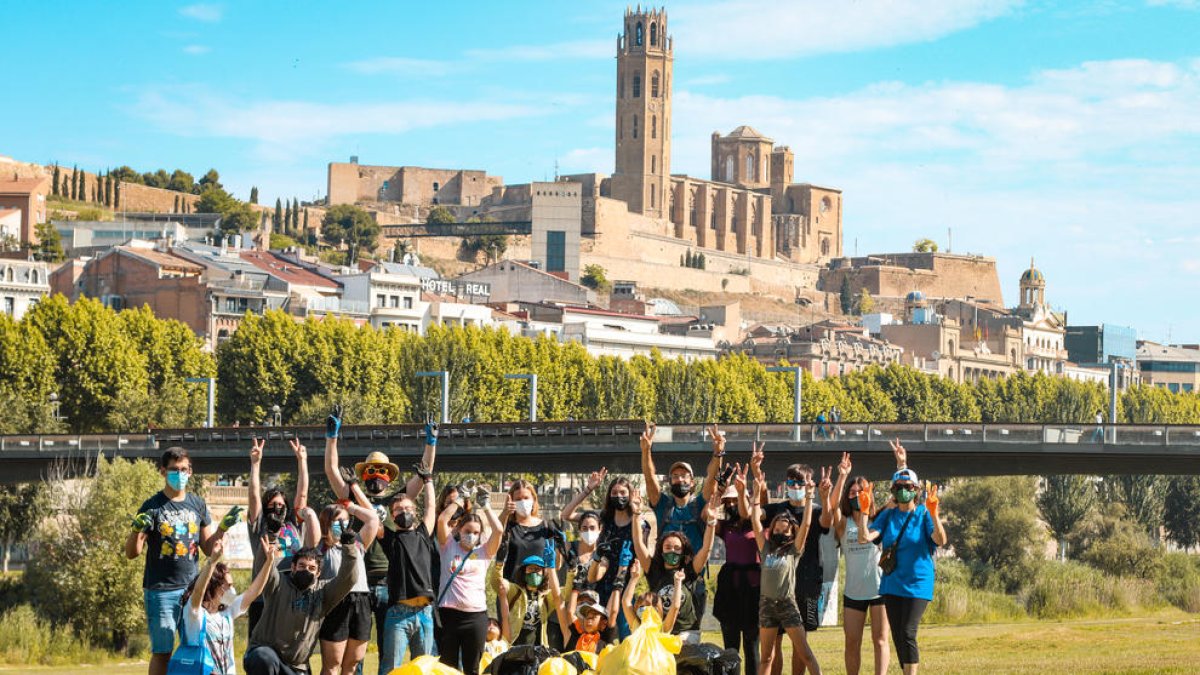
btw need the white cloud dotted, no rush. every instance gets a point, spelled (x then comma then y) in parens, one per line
(402, 65)
(203, 12)
(763, 29)
(196, 50)
(580, 49)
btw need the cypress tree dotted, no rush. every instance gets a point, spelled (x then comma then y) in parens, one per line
(117, 196)
(278, 220)
(108, 184)
(54, 187)
(75, 182)
(254, 195)
(287, 217)
(296, 215)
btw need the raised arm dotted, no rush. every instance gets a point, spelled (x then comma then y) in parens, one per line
(493, 544)
(701, 560)
(833, 506)
(560, 607)
(138, 528)
(365, 515)
(428, 457)
(825, 490)
(806, 522)
(301, 453)
(756, 523)
(900, 453)
(505, 611)
(640, 550)
(635, 573)
(310, 530)
(206, 573)
(443, 522)
(932, 503)
(739, 484)
(714, 463)
(595, 480)
(653, 489)
(254, 491)
(676, 600)
(756, 459)
(333, 426)
(259, 584)
(430, 498)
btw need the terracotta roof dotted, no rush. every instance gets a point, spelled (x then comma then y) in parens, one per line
(23, 186)
(162, 259)
(286, 270)
(605, 312)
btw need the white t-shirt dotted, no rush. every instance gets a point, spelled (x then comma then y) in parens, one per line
(218, 633)
(467, 591)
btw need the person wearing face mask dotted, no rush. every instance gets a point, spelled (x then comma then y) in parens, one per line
(462, 599)
(528, 603)
(268, 516)
(212, 611)
(672, 554)
(172, 527)
(911, 531)
(809, 572)
(346, 631)
(526, 534)
(376, 477)
(781, 545)
(861, 593)
(735, 604)
(407, 542)
(635, 608)
(573, 574)
(294, 606)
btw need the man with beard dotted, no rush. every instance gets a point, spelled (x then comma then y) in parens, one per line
(267, 515)
(376, 475)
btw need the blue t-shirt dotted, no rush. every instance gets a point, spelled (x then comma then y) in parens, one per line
(913, 576)
(686, 519)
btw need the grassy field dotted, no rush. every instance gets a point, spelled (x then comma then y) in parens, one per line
(1166, 642)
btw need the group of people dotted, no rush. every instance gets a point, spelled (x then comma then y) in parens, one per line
(418, 564)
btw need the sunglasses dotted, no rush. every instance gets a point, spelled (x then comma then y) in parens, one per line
(795, 482)
(904, 486)
(376, 471)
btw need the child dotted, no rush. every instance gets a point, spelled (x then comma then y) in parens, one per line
(495, 645)
(525, 603)
(780, 548)
(634, 609)
(585, 634)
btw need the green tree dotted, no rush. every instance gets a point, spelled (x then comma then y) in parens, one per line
(181, 181)
(21, 507)
(159, 179)
(1115, 544)
(75, 182)
(211, 179)
(116, 196)
(254, 194)
(1064, 501)
(127, 175)
(1142, 497)
(1181, 511)
(287, 218)
(80, 576)
(846, 295)
(49, 248)
(925, 246)
(864, 303)
(54, 188)
(440, 215)
(595, 278)
(108, 189)
(277, 219)
(236, 216)
(993, 525)
(350, 225)
(281, 241)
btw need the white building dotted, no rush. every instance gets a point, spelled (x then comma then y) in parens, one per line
(444, 310)
(23, 284)
(605, 333)
(394, 298)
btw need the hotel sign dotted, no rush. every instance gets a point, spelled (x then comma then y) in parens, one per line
(457, 288)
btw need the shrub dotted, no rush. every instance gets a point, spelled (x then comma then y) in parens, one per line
(1179, 581)
(956, 600)
(1115, 545)
(1070, 589)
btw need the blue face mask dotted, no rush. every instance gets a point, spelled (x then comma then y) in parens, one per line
(178, 480)
(337, 527)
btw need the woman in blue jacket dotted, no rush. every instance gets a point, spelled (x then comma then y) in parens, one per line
(912, 532)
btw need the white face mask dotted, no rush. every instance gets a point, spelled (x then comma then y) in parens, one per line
(524, 507)
(590, 537)
(796, 494)
(468, 539)
(228, 596)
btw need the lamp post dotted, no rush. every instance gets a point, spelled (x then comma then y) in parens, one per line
(533, 380)
(445, 377)
(55, 407)
(276, 416)
(796, 383)
(1112, 397)
(212, 395)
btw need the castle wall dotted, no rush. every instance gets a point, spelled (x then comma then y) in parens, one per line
(937, 275)
(354, 183)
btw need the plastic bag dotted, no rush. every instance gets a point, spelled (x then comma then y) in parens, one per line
(707, 659)
(523, 660)
(425, 665)
(557, 666)
(646, 652)
(583, 661)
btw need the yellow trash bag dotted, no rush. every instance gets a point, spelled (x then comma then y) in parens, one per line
(557, 666)
(588, 657)
(648, 651)
(425, 665)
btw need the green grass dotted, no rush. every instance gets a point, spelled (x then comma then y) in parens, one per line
(1163, 642)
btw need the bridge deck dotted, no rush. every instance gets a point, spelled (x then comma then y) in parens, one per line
(937, 450)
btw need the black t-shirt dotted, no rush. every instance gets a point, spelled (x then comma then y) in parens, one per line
(521, 542)
(662, 582)
(410, 563)
(810, 563)
(531, 623)
(173, 543)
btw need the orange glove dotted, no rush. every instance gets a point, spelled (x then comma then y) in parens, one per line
(931, 498)
(864, 500)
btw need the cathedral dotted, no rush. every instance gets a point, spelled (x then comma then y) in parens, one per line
(749, 206)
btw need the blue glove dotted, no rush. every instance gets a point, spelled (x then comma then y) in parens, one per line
(431, 433)
(550, 555)
(626, 558)
(333, 423)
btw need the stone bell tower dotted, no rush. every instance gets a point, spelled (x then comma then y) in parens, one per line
(642, 174)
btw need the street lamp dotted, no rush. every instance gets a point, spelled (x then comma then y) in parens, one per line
(276, 416)
(1117, 366)
(445, 376)
(796, 383)
(212, 394)
(55, 407)
(533, 380)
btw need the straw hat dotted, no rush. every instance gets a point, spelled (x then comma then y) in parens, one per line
(378, 459)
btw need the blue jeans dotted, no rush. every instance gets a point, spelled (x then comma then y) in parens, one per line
(163, 611)
(405, 627)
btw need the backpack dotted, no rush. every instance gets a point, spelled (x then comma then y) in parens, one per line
(193, 658)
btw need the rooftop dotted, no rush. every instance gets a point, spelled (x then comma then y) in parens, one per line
(287, 270)
(1152, 351)
(23, 186)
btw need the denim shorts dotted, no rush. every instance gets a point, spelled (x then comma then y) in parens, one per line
(163, 610)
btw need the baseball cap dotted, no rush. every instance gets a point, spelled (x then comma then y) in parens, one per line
(533, 560)
(681, 465)
(905, 474)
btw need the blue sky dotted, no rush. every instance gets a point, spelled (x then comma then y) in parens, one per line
(1067, 132)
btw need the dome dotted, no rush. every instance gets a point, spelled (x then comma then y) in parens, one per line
(664, 307)
(915, 296)
(1033, 275)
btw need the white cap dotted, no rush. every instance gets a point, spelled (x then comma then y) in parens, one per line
(906, 474)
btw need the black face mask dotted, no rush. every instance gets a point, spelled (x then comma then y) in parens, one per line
(274, 518)
(854, 503)
(376, 486)
(618, 503)
(680, 489)
(780, 539)
(405, 520)
(731, 513)
(303, 579)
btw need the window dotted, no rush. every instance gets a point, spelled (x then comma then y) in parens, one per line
(652, 196)
(653, 164)
(408, 302)
(556, 251)
(230, 305)
(654, 85)
(637, 86)
(33, 276)
(637, 37)
(729, 169)
(394, 301)
(653, 34)
(10, 307)
(713, 221)
(635, 126)
(381, 300)
(749, 168)
(654, 126)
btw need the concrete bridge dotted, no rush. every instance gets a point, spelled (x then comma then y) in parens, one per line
(935, 450)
